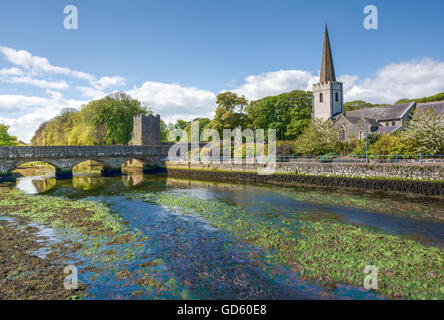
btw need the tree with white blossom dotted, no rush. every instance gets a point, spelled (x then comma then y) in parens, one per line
(425, 132)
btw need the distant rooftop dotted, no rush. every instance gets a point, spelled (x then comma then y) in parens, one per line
(438, 106)
(395, 111)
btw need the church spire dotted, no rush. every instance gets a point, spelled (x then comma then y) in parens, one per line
(327, 68)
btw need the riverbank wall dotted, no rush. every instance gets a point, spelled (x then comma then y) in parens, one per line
(417, 179)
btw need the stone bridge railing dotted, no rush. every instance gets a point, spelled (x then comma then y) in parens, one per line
(64, 158)
(14, 153)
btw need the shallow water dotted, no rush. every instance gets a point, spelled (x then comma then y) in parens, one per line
(203, 262)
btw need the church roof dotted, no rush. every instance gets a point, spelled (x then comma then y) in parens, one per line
(438, 106)
(396, 111)
(387, 130)
(327, 68)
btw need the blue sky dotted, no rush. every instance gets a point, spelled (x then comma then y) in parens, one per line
(178, 55)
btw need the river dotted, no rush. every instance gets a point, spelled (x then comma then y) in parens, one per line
(198, 259)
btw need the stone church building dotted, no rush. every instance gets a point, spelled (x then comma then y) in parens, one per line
(328, 103)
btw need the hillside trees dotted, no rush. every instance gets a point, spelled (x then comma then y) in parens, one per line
(5, 138)
(108, 121)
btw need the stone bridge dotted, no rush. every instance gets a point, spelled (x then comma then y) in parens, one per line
(65, 158)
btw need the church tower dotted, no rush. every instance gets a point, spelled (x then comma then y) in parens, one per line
(328, 97)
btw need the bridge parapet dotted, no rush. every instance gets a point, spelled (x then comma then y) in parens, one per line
(73, 152)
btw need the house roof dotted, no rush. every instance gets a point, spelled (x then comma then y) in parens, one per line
(387, 130)
(438, 106)
(396, 111)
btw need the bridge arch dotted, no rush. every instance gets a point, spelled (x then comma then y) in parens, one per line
(88, 166)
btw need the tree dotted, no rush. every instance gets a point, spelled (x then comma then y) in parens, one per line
(5, 138)
(388, 145)
(372, 138)
(107, 121)
(436, 97)
(116, 113)
(319, 138)
(203, 123)
(37, 139)
(288, 113)
(425, 132)
(229, 112)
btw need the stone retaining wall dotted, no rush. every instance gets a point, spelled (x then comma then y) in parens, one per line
(322, 174)
(385, 170)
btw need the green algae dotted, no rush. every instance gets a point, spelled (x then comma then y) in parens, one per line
(325, 251)
(94, 231)
(433, 212)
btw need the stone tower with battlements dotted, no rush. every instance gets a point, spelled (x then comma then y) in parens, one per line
(328, 96)
(146, 130)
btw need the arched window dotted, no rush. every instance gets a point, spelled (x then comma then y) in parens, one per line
(321, 97)
(337, 97)
(342, 134)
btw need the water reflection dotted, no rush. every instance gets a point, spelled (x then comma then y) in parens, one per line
(132, 180)
(34, 185)
(87, 183)
(43, 184)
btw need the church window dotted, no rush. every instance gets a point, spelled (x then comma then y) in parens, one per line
(337, 97)
(321, 97)
(342, 134)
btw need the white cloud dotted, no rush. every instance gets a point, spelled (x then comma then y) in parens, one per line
(37, 82)
(412, 79)
(34, 110)
(173, 101)
(37, 64)
(11, 72)
(91, 93)
(276, 82)
(107, 82)
(32, 66)
(24, 113)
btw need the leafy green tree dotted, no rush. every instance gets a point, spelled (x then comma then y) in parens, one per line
(37, 139)
(107, 121)
(372, 138)
(288, 113)
(203, 123)
(116, 113)
(5, 138)
(163, 131)
(180, 124)
(424, 134)
(229, 112)
(388, 145)
(319, 138)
